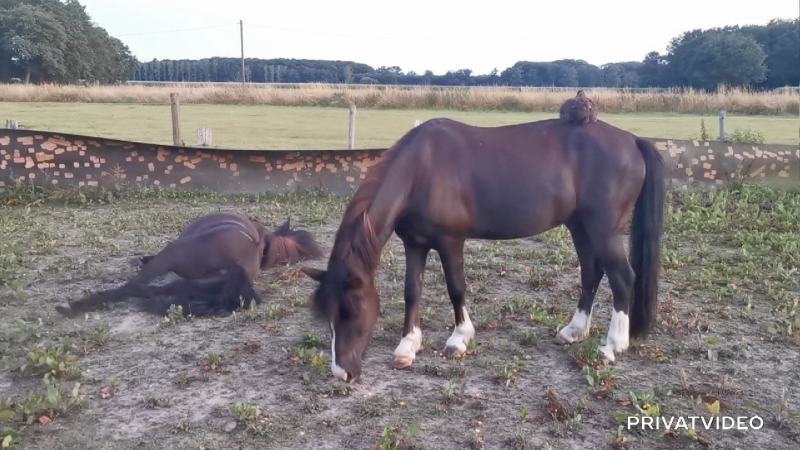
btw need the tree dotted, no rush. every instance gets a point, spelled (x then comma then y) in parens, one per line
(653, 71)
(51, 40)
(721, 57)
(33, 42)
(781, 42)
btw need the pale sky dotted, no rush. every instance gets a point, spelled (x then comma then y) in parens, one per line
(438, 35)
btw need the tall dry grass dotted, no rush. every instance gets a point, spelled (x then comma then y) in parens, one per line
(734, 101)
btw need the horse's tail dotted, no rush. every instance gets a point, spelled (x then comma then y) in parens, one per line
(645, 241)
(204, 298)
(289, 245)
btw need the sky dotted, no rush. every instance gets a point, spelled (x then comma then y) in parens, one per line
(419, 35)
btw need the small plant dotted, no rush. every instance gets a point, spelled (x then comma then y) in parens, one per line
(449, 392)
(599, 378)
(244, 411)
(52, 362)
(97, 338)
(175, 315)
(392, 439)
(644, 403)
(310, 339)
(746, 136)
(703, 131)
(211, 361)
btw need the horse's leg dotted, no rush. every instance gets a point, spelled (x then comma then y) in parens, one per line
(406, 351)
(607, 238)
(452, 256)
(159, 265)
(591, 275)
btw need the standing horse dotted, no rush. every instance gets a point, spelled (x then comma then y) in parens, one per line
(217, 256)
(445, 182)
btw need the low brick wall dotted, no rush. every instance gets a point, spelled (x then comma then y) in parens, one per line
(65, 160)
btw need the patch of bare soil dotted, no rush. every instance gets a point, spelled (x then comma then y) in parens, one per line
(147, 383)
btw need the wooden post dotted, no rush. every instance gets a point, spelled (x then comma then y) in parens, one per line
(416, 123)
(204, 137)
(11, 124)
(241, 39)
(722, 116)
(176, 119)
(351, 135)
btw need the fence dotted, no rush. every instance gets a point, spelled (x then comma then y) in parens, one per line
(49, 159)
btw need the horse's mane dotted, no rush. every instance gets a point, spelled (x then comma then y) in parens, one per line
(356, 237)
(289, 245)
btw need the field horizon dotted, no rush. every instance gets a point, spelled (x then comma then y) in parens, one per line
(268, 127)
(780, 102)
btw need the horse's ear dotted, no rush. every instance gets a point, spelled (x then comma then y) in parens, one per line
(314, 274)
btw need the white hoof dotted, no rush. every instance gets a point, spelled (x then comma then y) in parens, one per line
(577, 329)
(617, 341)
(406, 351)
(457, 343)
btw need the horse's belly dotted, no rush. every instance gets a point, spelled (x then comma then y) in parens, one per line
(525, 210)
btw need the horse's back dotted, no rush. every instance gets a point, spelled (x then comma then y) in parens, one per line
(533, 174)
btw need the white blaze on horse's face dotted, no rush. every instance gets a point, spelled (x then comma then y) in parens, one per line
(338, 372)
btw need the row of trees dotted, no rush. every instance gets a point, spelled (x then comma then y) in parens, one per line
(758, 56)
(51, 40)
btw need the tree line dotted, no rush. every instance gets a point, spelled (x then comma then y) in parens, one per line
(757, 56)
(55, 41)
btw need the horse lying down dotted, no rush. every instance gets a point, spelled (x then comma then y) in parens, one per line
(217, 256)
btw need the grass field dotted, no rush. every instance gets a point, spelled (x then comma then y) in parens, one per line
(727, 337)
(276, 127)
(734, 101)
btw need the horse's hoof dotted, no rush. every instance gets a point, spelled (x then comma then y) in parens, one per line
(561, 339)
(607, 354)
(402, 362)
(453, 351)
(66, 312)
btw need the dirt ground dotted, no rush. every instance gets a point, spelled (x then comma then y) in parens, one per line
(728, 332)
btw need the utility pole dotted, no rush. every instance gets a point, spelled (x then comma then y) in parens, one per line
(241, 39)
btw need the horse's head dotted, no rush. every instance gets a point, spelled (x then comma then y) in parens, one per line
(349, 303)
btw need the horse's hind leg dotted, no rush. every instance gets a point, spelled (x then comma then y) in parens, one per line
(591, 275)
(452, 256)
(406, 351)
(608, 241)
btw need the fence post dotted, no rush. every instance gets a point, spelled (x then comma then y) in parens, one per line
(204, 137)
(11, 124)
(351, 135)
(176, 119)
(722, 116)
(416, 123)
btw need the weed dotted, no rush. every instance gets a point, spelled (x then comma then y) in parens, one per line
(175, 315)
(52, 362)
(746, 136)
(211, 361)
(393, 439)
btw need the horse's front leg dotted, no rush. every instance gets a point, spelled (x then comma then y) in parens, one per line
(452, 256)
(410, 344)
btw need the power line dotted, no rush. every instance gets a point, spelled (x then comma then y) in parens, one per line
(174, 31)
(362, 36)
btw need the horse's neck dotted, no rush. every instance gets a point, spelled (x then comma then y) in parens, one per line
(360, 249)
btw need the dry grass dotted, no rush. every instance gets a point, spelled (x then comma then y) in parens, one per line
(735, 101)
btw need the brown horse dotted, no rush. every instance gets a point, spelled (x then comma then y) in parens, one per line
(445, 182)
(217, 256)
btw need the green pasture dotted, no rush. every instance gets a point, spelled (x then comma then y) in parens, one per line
(279, 127)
